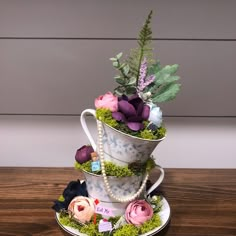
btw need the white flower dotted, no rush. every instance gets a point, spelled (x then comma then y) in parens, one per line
(155, 115)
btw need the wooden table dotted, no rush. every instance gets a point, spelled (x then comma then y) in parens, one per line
(203, 201)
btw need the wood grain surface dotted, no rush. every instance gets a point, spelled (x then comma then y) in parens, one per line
(202, 201)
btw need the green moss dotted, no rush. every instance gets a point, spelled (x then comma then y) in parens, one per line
(114, 170)
(150, 224)
(127, 230)
(147, 134)
(67, 221)
(161, 132)
(111, 169)
(135, 168)
(61, 198)
(105, 115)
(91, 229)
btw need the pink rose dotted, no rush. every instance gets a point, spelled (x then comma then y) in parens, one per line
(138, 211)
(108, 101)
(82, 208)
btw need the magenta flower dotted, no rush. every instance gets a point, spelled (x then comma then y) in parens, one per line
(132, 111)
(138, 212)
(83, 154)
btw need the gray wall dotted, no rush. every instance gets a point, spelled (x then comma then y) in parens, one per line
(54, 60)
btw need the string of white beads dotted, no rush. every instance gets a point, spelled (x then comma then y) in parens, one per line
(105, 179)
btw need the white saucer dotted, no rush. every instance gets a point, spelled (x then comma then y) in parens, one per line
(164, 214)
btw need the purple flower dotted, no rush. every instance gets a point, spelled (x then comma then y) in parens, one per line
(132, 111)
(83, 154)
(144, 80)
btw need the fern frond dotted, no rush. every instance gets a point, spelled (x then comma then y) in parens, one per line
(144, 50)
(133, 59)
(145, 38)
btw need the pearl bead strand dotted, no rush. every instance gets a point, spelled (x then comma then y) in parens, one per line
(105, 179)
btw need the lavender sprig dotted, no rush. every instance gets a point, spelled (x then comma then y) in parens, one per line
(144, 80)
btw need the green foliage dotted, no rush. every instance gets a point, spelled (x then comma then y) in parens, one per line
(152, 135)
(166, 93)
(61, 198)
(124, 79)
(164, 87)
(147, 226)
(161, 132)
(68, 221)
(150, 164)
(129, 70)
(147, 134)
(151, 224)
(156, 202)
(91, 229)
(144, 50)
(105, 115)
(135, 168)
(145, 38)
(126, 230)
(133, 60)
(110, 168)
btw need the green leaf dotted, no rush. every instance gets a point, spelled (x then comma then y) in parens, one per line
(119, 91)
(126, 69)
(165, 79)
(166, 93)
(113, 59)
(117, 76)
(122, 66)
(120, 81)
(153, 69)
(130, 90)
(132, 81)
(170, 69)
(118, 56)
(115, 64)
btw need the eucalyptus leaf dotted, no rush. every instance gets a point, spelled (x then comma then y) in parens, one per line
(166, 93)
(126, 69)
(118, 56)
(120, 81)
(122, 66)
(132, 81)
(115, 64)
(113, 59)
(117, 77)
(119, 91)
(130, 90)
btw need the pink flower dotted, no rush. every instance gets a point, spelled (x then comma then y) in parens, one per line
(82, 208)
(108, 101)
(138, 211)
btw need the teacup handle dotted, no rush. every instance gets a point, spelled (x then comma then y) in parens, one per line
(158, 181)
(85, 127)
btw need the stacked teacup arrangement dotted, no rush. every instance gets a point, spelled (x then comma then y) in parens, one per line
(114, 198)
